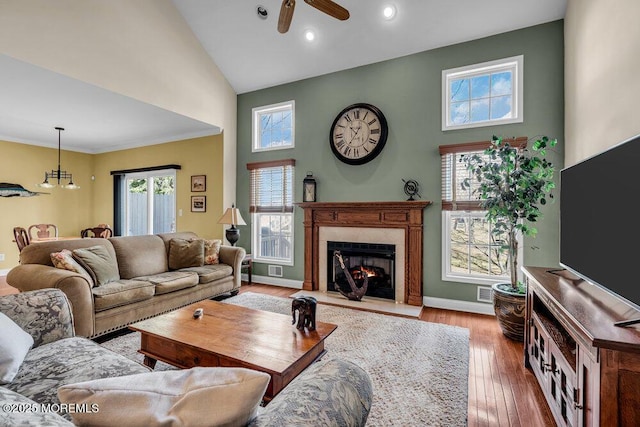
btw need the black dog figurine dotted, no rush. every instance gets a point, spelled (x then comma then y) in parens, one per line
(306, 307)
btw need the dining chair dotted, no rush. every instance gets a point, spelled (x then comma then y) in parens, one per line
(21, 237)
(43, 231)
(102, 230)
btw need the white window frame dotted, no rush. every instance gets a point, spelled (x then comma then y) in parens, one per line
(514, 64)
(274, 202)
(149, 175)
(478, 279)
(256, 242)
(258, 112)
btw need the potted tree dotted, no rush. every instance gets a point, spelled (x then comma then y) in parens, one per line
(512, 183)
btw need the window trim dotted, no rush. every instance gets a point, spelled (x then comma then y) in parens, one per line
(453, 205)
(255, 238)
(449, 276)
(267, 109)
(125, 201)
(285, 209)
(515, 63)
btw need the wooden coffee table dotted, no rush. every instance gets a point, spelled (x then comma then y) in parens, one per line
(231, 335)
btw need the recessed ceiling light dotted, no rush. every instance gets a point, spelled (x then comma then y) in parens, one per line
(262, 12)
(389, 12)
(309, 35)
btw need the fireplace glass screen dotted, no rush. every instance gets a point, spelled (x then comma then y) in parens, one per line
(375, 260)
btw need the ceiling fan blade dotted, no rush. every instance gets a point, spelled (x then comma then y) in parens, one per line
(330, 8)
(286, 13)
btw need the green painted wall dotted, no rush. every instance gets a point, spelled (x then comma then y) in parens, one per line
(408, 91)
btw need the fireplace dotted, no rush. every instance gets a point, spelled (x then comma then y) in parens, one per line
(395, 223)
(376, 261)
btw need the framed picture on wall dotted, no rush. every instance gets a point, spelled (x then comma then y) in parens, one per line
(198, 183)
(198, 203)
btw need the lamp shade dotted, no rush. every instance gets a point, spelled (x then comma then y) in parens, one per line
(232, 216)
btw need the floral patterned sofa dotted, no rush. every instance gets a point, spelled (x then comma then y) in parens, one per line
(327, 393)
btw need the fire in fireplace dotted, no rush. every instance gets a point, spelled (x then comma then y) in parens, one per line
(375, 260)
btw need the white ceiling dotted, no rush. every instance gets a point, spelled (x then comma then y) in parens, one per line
(252, 55)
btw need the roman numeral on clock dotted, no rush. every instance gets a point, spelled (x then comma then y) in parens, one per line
(358, 134)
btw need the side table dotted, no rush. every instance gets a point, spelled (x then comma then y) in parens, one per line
(247, 263)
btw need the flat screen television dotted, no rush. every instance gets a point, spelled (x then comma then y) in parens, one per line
(600, 220)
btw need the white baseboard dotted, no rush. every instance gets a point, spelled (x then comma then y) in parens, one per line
(276, 281)
(452, 304)
(4, 272)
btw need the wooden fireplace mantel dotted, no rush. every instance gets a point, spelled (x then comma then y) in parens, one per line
(407, 215)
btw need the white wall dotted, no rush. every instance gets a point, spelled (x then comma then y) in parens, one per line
(602, 69)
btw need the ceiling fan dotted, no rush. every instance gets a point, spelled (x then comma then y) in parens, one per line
(327, 6)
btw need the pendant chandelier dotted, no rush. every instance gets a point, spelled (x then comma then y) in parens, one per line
(58, 174)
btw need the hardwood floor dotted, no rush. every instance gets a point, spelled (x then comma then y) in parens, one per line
(502, 392)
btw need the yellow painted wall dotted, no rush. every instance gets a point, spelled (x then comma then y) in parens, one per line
(73, 210)
(70, 210)
(142, 49)
(197, 156)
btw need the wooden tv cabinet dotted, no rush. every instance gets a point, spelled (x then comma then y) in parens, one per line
(588, 369)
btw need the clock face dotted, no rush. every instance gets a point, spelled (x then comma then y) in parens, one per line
(358, 134)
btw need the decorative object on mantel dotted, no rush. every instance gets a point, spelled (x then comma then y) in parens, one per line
(16, 190)
(306, 307)
(356, 292)
(58, 174)
(411, 188)
(232, 216)
(309, 188)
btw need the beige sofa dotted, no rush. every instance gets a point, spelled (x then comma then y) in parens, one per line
(146, 285)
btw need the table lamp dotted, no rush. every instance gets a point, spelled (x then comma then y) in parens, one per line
(232, 216)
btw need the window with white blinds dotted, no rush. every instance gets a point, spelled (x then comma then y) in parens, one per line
(471, 253)
(271, 186)
(271, 208)
(454, 172)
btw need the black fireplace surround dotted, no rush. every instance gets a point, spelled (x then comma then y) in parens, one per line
(374, 259)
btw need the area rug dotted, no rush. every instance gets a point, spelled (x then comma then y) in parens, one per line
(419, 370)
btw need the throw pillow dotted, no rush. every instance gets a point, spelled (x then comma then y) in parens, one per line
(15, 343)
(212, 251)
(64, 260)
(185, 253)
(99, 263)
(190, 397)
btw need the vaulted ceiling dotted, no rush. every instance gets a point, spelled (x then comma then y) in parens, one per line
(252, 55)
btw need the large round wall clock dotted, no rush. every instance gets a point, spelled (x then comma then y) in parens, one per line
(358, 134)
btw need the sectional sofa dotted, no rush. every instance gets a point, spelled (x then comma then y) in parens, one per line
(332, 392)
(130, 278)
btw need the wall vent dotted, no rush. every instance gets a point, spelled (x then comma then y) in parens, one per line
(485, 294)
(275, 270)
